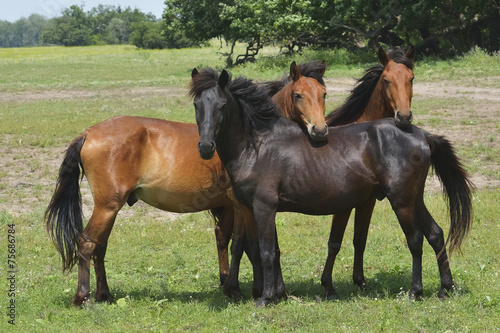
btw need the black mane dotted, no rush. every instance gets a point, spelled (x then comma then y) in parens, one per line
(309, 69)
(256, 107)
(359, 96)
(205, 79)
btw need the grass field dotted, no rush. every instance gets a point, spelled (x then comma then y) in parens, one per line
(163, 269)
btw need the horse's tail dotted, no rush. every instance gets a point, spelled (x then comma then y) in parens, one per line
(223, 218)
(64, 215)
(216, 214)
(457, 187)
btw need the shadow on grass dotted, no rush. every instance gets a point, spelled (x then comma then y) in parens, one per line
(383, 285)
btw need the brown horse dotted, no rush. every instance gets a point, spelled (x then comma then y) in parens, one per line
(301, 96)
(126, 159)
(384, 91)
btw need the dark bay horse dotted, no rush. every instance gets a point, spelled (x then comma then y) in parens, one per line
(300, 97)
(126, 159)
(274, 167)
(386, 90)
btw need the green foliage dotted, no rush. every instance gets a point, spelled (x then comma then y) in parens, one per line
(101, 25)
(443, 29)
(147, 35)
(24, 32)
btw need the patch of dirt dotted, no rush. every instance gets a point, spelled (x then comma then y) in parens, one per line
(30, 96)
(28, 174)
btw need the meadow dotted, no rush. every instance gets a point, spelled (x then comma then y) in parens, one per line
(162, 267)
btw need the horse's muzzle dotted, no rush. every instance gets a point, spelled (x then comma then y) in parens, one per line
(318, 135)
(403, 121)
(206, 149)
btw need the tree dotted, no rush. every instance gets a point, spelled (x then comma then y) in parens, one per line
(23, 32)
(71, 29)
(147, 35)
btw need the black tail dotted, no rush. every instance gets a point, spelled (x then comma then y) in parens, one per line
(64, 216)
(457, 187)
(216, 214)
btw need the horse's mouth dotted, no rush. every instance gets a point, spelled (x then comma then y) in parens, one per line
(318, 135)
(403, 121)
(206, 149)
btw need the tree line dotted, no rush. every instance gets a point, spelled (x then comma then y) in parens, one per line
(440, 28)
(75, 27)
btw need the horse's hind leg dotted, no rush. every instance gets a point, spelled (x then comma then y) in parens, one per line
(92, 243)
(223, 232)
(414, 238)
(85, 249)
(434, 234)
(339, 223)
(231, 286)
(361, 224)
(107, 217)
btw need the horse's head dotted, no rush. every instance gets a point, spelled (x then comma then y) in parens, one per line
(308, 102)
(210, 102)
(397, 84)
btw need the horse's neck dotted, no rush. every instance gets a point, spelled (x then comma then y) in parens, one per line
(378, 106)
(232, 136)
(283, 101)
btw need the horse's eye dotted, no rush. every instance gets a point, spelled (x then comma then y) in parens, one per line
(298, 96)
(324, 96)
(411, 80)
(387, 81)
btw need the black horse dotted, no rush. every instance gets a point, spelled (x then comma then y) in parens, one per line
(273, 166)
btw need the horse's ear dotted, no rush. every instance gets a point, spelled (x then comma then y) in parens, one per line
(410, 53)
(294, 71)
(322, 67)
(223, 79)
(383, 57)
(194, 73)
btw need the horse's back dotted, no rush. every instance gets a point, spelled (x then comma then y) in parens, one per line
(156, 159)
(357, 162)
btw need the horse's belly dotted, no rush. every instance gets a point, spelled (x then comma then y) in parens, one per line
(187, 201)
(324, 202)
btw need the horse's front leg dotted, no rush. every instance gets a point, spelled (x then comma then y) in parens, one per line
(266, 228)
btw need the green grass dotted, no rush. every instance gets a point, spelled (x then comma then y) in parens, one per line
(165, 278)
(164, 274)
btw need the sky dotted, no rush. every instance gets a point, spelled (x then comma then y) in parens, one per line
(13, 10)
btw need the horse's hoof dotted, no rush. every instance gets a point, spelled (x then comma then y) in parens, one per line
(81, 300)
(443, 294)
(262, 303)
(415, 295)
(361, 284)
(332, 297)
(233, 292)
(331, 294)
(104, 296)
